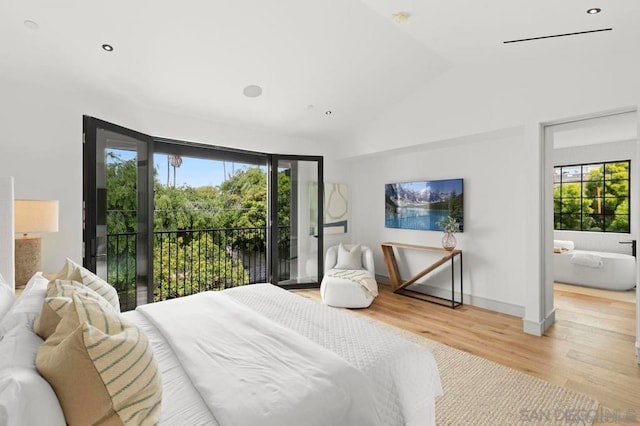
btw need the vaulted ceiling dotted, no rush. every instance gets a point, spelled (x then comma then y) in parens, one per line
(346, 57)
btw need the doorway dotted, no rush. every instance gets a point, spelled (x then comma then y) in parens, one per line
(591, 217)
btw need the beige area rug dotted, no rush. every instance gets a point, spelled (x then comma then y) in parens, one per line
(481, 392)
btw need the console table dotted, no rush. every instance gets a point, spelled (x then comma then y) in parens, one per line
(400, 287)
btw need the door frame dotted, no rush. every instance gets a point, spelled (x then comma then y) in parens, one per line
(144, 290)
(272, 229)
(547, 309)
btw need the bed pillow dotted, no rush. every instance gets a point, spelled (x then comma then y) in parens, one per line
(7, 297)
(101, 367)
(25, 397)
(59, 294)
(18, 348)
(349, 258)
(75, 272)
(26, 307)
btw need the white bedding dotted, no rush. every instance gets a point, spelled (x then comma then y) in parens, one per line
(269, 365)
(404, 375)
(181, 402)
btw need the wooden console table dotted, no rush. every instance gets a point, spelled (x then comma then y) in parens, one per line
(401, 287)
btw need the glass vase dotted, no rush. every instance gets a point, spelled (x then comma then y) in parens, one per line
(448, 241)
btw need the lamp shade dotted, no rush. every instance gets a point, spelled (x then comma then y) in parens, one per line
(34, 216)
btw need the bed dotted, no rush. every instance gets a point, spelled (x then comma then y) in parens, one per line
(252, 355)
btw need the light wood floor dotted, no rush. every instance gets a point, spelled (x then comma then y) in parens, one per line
(623, 296)
(590, 349)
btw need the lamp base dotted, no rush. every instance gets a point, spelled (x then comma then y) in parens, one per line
(28, 259)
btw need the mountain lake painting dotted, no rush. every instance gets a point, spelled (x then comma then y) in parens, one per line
(420, 205)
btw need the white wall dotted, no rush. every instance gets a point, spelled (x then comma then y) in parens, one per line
(612, 151)
(337, 171)
(478, 99)
(7, 248)
(41, 147)
(493, 219)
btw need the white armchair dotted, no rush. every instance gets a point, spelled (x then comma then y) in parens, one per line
(348, 282)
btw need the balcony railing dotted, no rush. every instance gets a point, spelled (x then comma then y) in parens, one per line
(190, 261)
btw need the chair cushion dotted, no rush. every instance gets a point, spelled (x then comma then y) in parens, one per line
(343, 293)
(349, 259)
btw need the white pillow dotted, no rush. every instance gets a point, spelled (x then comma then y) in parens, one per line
(26, 307)
(27, 399)
(7, 297)
(349, 259)
(18, 348)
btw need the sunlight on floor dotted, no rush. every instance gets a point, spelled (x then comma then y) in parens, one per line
(622, 296)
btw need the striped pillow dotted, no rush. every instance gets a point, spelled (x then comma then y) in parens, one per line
(59, 293)
(101, 367)
(75, 272)
(100, 286)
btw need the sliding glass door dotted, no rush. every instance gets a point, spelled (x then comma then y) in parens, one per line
(118, 225)
(166, 219)
(296, 231)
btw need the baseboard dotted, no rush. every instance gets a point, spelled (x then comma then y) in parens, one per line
(638, 351)
(480, 302)
(537, 328)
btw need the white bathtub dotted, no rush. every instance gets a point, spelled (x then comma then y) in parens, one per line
(618, 271)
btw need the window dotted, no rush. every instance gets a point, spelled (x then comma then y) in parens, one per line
(592, 197)
(166, 218)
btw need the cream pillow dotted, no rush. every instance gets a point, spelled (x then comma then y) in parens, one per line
(349, 259)
(75, 272)
(101, 367)
(59, 293)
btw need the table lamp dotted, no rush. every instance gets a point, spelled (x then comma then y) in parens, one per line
(32, 217)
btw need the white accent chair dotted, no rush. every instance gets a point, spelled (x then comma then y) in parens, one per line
(344, 293)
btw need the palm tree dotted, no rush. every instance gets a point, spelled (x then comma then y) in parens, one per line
(176, 161)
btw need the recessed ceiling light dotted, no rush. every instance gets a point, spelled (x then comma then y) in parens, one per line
(252, 91)
(32, 25)
(328, 112)
(593, 11)
(107, 47)
(401, 17)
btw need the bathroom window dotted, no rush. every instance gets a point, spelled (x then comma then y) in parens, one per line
(592, 197)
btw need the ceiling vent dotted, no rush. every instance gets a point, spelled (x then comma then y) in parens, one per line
(557, 35)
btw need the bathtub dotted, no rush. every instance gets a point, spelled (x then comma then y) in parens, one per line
(618, 271)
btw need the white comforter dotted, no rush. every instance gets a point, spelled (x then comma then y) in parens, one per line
(252, 371)
(404, 375)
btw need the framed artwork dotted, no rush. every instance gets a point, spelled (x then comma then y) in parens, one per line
(336, 208)
(422, 204)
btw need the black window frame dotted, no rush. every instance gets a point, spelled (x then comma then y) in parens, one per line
(582, 197)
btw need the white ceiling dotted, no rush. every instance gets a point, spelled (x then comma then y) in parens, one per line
(347, 56)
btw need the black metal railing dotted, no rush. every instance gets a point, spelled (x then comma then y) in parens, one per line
(193, 260)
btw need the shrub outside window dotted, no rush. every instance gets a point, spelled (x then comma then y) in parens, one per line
(592, 197)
